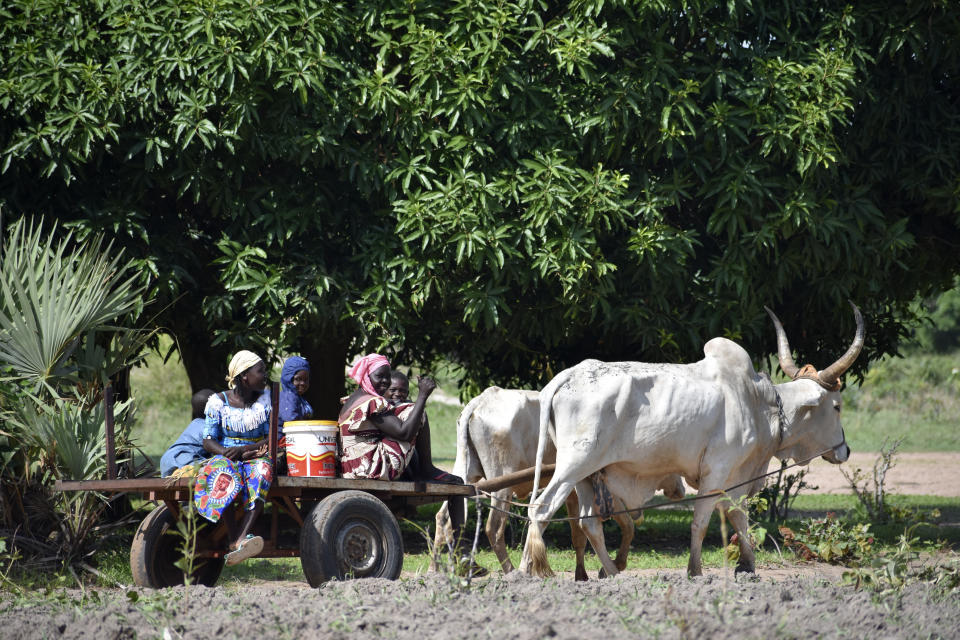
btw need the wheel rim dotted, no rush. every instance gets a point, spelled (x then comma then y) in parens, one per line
(358, 547)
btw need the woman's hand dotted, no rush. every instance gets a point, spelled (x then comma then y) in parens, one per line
(252, 451)
(233, 453)
(426, 385)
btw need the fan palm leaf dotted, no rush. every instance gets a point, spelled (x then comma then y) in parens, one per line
(52, 293)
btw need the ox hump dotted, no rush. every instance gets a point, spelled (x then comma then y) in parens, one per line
(730, 358)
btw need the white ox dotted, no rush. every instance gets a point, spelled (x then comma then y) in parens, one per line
(496, 435)
(717, 422)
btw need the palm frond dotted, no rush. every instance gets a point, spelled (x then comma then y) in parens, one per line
(53, 292)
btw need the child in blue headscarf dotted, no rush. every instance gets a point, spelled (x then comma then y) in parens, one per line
(294, 382)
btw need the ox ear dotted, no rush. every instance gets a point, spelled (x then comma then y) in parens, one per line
(811, 393)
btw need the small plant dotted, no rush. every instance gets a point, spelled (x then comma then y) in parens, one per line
(188, 524)
(888, 573)
(829, 540)
(871, 492)
(8, 558)
(774, 500)
(944, 577)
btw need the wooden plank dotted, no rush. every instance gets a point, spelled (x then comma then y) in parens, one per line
(380, 486)
(516, 478)
(283, 485)
(111, 439)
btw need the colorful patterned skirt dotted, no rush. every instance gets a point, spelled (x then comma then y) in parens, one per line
(220, 481)
(380, 458)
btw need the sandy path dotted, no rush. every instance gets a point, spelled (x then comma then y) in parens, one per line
(932, 474)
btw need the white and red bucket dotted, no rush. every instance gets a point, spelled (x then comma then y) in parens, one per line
(311, 448)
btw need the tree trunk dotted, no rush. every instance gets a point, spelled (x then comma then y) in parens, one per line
(206, 364)
(327, 355)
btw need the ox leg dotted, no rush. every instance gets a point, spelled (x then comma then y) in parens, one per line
(578, 537)
(627, 531)
(443, 533)
(534, 561)
(593, 529)
(496, 524)
(702, 511)
(741, 523)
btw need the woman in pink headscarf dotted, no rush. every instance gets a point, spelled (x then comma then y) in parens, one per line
(379, 442)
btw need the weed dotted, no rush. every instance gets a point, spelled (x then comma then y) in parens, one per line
(675, 614)
(871, 492)
(187, 527)
(888, 573)
(757, 535)
(829, 540)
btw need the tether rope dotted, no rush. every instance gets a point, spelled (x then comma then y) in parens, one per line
(713, 494)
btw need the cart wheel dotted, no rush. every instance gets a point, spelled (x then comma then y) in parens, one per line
(350, 534)
(154, 552)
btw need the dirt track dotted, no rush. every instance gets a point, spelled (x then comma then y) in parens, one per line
(932, 474)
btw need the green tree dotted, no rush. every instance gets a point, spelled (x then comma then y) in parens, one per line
(510, 185)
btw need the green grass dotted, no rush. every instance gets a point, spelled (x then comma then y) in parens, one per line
(916, 398)
(162, 391)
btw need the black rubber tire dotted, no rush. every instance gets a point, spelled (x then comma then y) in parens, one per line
(350, 534)
(154, 552)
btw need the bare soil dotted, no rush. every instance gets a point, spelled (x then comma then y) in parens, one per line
(790, 603)
(787, 600)
(931, 474)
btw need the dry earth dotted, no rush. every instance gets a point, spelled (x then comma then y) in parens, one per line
(663, 604)
(779, 601)
(932, 474)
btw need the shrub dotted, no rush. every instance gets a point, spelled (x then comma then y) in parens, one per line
(829, 540)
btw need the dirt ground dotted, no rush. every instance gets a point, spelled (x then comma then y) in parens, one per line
(663, 604)
(791, 601)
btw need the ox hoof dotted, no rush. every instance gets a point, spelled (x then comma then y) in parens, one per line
(580, 575)
(743, 568)
(603, 573)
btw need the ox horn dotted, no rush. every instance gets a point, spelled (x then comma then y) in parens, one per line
(831, 374)
(783, 347)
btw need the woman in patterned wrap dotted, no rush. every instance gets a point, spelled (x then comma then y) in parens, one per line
(237, 423)
(378, 439)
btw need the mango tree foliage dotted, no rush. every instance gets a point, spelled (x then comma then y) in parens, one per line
(512, 186)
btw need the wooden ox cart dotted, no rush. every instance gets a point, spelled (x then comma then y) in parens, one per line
(340, 528)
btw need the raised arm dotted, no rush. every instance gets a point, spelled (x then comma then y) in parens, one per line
(407, 429)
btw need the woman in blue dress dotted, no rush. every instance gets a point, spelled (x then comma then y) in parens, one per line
(237, 423)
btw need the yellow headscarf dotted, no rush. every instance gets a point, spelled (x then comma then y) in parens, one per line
(241, 361)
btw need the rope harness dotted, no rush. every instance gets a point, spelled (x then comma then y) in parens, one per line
(713, 494)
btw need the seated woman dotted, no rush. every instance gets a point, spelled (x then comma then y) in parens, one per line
(378, 439)
(294, 382)
(380, 436)
(235, 433)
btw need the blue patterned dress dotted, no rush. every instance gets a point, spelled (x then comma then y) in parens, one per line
(221, 480)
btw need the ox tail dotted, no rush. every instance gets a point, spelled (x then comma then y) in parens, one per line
(537, 553)
(466, 465)
(546, 410)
